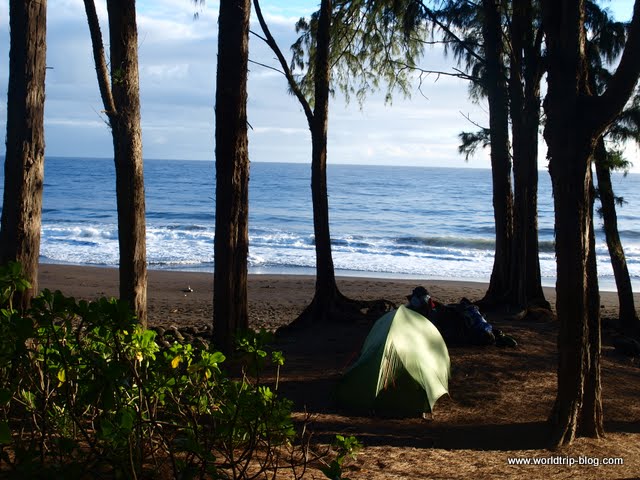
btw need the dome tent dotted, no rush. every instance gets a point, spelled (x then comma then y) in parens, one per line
(403, 368)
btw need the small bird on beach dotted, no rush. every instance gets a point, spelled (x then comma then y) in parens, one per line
(188, 289)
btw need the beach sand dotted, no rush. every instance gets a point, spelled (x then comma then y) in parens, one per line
(499, 398)
(274, 300)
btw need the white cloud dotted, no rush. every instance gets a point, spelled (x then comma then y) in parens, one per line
(69, 122)
(177, 56)
(165, 71)
(278, 130)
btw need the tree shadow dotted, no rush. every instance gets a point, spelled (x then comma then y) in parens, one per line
(373, 432)
(621, 427)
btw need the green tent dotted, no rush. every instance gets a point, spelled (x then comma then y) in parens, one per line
(403, 368)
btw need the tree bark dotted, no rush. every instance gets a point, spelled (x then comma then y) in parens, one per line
(524, 93)
(24, 160)
(591, 421)
(99, 59)
(127, 148)
(230, 309)
(627, 311)
(328, 302)
(497, 93)
(326, 287)
(575, 120)
(569, 149)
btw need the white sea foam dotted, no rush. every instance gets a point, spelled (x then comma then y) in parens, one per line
(419, 223)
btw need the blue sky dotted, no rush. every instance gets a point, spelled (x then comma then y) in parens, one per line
(177, 75)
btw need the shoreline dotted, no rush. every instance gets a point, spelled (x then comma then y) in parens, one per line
(274, 299)
(548, 283)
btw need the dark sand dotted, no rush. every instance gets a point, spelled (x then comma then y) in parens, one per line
(499, 398)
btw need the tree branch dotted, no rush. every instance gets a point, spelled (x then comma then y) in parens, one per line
(295, 88)
(472, 122)
(624, 80)
(99, 59)
(456, 72)
(432, 16)
(264, 65)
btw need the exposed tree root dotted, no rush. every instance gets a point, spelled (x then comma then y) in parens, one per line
(339, 308)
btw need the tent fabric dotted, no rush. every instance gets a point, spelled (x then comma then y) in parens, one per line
(403, 368)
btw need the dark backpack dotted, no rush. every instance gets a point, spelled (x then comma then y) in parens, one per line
(462, 324)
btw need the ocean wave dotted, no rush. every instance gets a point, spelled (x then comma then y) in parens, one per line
(444, 241)
(376, 228)
(179, 215)
(187, 228)
(99, 232)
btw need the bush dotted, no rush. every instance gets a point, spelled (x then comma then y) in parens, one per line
(85, 391)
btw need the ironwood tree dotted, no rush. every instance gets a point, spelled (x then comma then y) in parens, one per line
(24, 160)
(603, 47)
(605, 161)
(526, 67)
(231, 244)
(120, 92)
(576, 118)
(507, 72)
(515, 281)
(494, 82)
(328, 302)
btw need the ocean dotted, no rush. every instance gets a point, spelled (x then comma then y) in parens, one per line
(386, 221)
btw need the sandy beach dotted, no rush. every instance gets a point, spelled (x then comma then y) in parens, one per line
(498, 402)
(274, 300)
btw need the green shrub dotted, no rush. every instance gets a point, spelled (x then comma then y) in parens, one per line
(85, 391)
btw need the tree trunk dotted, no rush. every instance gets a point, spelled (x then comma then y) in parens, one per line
(572, 128)
(328, 303)
(524, 92)
(326, 287)
(628, 317)
(569, 168)
(495, 82)
(230, 310)
(569, 150)
(24, 161)
(592, 421)
(127, 148)
(576, 118)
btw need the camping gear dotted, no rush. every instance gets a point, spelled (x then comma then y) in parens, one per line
(462, 324)
(403, 368)
(478, 330)
(504, 340)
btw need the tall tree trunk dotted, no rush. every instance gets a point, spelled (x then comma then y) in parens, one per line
(326, 287)
(328, 302)
(627, 310)
(230, 310)
(569, 173)
(497, 92)
(570, 147)
(24, 160)
(524, 92)
(127, 149)
(575, 120)
(591, 422)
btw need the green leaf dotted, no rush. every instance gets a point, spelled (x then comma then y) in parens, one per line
(5, 433)
(217, 357)
(277, 358)
(127, 419)
(5, 395)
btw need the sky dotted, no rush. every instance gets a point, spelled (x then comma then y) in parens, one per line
(177, 58)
